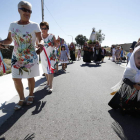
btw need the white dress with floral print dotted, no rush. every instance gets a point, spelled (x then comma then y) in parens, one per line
(24, 58)
(50, 49)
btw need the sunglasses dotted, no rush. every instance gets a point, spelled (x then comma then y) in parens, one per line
(26, 10)
(44, 28)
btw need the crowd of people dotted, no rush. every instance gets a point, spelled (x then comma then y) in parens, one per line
(119, 55)
(127, 95)
(94, 53)
(27, 36)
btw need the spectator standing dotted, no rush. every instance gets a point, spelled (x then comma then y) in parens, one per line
(117, 54)
(129, 54)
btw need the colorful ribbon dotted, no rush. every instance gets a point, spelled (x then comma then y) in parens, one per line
(51, 70)
(2, 64)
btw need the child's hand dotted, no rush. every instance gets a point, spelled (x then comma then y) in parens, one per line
(137, 86)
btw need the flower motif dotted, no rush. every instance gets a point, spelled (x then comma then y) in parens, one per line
(17, 30)
(50, 44)
(29, 66)
(21, 39)
(27, 57)
(13, 34)
(16, 67)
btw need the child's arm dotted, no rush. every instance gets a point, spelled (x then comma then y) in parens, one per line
(59, 55)
(67, 55)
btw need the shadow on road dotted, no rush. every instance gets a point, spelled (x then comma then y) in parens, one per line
(39, 105)
(43, 80)
(60, 72)
(38, 82)
(29, 137)
(2, 139)
(90, 65)
(126, 127)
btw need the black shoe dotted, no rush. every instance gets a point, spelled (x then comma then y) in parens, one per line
(43, 74)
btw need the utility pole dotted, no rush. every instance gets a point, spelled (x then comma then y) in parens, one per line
(71, 36)
(42, 6)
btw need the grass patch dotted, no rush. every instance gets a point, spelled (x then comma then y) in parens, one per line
(8, 71)
(1, 73)
(8, 66)
(8, 62)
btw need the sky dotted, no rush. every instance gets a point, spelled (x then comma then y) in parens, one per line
(118, 19)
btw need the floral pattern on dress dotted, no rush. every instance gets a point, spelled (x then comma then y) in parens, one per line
(52, 55)
(24, 55)
(49, 43)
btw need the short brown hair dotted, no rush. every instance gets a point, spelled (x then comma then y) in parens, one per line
(44, 24)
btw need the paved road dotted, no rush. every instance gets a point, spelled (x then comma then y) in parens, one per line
(76, 110)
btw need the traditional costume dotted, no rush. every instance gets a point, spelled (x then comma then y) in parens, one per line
(97, 55)
(48, 57)
(72, 52)
(127, 98)
(87, 55)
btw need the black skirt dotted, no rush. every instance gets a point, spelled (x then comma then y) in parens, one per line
(86, 57)
(72, 55)
(125, 99)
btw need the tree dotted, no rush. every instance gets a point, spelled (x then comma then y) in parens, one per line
(100, 36)
(80, 39)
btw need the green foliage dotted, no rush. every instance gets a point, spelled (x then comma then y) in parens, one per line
(90, 42)
(80, 39)
(8, 71)
(100, 36)
(1, 73)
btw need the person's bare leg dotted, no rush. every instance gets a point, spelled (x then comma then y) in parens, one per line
(31, 84)
(56, 67)
(19, 88)
(50, 80)
(65, 65)
(47, 77)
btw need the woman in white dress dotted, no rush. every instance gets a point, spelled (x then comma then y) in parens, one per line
(113, 53)
(48, 57)
(24, 58)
